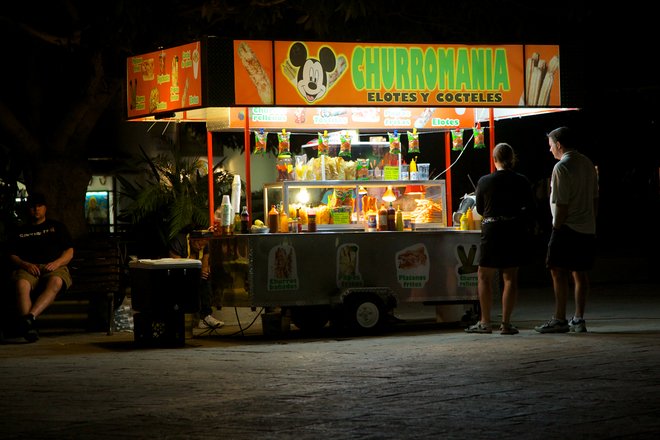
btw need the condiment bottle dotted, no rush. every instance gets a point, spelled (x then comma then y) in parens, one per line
(470, 219)
(237, 223)
(382, 218)
(245, 221)
(391, 218)
(399, 218)
(284, 220)
(464, 226)
(311, 221)
(273, 219)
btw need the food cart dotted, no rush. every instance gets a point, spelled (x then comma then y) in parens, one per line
(343, 271)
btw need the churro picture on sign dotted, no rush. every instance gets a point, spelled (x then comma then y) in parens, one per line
(253, 70)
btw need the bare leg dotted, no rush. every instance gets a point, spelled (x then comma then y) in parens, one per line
(581, 280)
(23, 300)
(560, 285)
(46, 297)
(485, 276)
(510, 292)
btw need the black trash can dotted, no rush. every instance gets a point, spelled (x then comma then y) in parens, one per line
(162, 292)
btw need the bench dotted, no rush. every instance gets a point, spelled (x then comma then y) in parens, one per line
(99, 276)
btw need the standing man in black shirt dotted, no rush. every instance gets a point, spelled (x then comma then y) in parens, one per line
(40, 250)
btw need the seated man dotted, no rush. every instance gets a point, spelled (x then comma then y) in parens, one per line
(40, 250)
(185, 246)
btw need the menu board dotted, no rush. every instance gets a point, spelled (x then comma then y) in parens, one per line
(164, 81)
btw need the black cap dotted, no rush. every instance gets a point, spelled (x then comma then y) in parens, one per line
(36, 199)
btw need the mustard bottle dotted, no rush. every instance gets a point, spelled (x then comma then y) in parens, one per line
(399, 218)
(464, 226)
(470, 219)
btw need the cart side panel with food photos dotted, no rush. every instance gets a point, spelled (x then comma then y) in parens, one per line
(354, 222)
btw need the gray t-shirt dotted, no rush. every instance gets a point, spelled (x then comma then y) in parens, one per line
(575, 184)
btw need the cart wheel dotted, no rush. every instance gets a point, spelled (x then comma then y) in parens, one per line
(310, 318)
(365, 313)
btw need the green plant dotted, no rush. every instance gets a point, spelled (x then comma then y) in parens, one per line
(172, 194)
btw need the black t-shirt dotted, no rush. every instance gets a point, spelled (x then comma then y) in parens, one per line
(504, 193)
(40, 243)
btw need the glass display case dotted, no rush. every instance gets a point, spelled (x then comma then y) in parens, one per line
(345, 204)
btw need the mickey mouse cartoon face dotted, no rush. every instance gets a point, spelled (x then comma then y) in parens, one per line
(312, 80)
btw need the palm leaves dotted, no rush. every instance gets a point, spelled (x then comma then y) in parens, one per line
(172, 194)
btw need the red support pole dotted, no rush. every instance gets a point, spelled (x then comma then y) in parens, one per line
(248, 173)
(211, 176)
(491, 143)
(448, 208)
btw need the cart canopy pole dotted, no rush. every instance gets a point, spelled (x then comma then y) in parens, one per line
(248, 173)
(491, 142)
(211, 175)
(448, 208)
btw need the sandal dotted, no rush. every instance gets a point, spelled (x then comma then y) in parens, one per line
(479, 328)
(508, 329)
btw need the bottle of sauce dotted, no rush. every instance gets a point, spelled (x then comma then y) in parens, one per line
(311, 221)
(284, 220)
(470, 219)
(382, 218)
(391, 218)
(245, 221)
(399, 218)
(273, 219)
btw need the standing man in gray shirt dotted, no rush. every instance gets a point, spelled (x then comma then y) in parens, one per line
(572, 245)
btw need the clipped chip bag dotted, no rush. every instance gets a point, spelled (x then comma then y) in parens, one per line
(413, 141)
(260, 141)
(345, 145)
(457, 139)
(395, 142)
(479, 137)
(284, 147)
(324, 143)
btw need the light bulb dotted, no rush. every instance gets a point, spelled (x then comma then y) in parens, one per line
(389, 195)
(303, 196)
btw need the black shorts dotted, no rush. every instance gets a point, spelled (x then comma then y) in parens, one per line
(571, 250)
(504, 244)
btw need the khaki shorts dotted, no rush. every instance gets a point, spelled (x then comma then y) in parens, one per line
(62, 272)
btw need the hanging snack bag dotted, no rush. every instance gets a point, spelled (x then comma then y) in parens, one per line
(345, 145)
(324, 143)
(413, 141)
(260, 141)
(284, 146)
(479, 138)
(457, 139)
(395, 142)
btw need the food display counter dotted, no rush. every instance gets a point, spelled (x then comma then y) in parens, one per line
(354, 279)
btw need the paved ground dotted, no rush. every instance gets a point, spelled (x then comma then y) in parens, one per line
(423, 381)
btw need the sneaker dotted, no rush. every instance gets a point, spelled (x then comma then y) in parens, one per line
(479, 328)
(508, 329)
(553, 326)
(209, 321)
(577, 325)
(30, 332)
